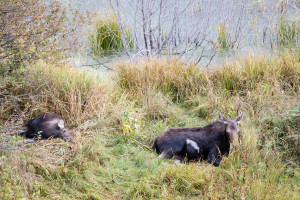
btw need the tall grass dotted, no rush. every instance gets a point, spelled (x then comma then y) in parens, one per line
(223, 41)
(76, 96)
(168, 76)
(181, 81)
(288, 33)
(108, 37)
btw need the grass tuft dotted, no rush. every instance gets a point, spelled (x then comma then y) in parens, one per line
(288, 33)
(108, 37)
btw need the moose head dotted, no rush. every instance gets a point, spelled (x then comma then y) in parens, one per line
(232, 129)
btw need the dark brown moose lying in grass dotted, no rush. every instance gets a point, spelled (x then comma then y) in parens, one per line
(47, 125)
(202, 143)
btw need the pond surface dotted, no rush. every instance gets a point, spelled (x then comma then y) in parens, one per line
(251, 26)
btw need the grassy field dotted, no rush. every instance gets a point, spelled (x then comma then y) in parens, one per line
(116, 120)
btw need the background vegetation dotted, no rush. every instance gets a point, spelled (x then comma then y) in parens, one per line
(33, 30)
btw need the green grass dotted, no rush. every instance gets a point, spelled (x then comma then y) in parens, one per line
(288, 33)
(115, 122)
(108, 36)
(223, 41)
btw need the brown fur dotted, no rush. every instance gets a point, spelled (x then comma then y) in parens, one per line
(209, 142)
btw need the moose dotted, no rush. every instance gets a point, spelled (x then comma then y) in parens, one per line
(201, 143)
(47, 125)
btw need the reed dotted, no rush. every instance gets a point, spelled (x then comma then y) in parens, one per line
(223, 41)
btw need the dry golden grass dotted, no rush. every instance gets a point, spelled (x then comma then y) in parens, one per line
(165, 75)
(74, 95)
(181, 80)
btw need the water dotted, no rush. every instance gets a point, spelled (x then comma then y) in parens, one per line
(250, 27)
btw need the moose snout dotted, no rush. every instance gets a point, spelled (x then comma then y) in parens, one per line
(235, 143)
(69, 138)
(67, 135)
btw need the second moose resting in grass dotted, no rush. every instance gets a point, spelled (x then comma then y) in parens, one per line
(202, 143)
(47, 125)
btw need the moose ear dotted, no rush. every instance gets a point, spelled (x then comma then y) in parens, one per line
(239, 118)
(223, 118)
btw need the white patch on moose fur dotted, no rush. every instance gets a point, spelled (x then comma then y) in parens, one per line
(61, 124)
(56, 122)
(193, 144)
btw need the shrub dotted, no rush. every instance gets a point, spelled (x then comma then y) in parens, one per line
(33, 29)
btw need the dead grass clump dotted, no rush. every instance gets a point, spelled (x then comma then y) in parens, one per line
(78, 96)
